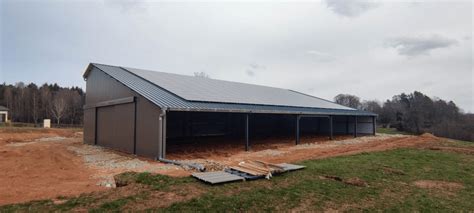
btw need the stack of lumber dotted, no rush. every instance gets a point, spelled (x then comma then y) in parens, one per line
(258, 168)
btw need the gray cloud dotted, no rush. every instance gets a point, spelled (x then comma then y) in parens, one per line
(256, 66)
(419, 45)
(250, 72)
(253, 67)
(321, 56)
(128, 6)
(283, 44)
(350, 8)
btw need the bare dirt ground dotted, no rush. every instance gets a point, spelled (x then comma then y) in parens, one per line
(283, 150)
(47, 163)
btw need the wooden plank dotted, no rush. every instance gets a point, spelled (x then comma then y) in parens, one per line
(269, 168)
(252, 172)
(253, 167)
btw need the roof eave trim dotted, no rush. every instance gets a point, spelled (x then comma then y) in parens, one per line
(269, 111)
(88, 71)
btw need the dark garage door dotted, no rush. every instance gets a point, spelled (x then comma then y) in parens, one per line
(115, 127)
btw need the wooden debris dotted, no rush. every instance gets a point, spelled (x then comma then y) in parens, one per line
(258, 168)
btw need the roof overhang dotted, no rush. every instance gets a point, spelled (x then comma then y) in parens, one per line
(343, 113)
(88, 70)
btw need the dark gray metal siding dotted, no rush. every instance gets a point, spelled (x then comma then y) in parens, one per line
(101, 87)
(148, 128)
(115, 127)
(89, 126)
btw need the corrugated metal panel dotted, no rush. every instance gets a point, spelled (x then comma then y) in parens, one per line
(290, 167)
(211, 90)
(115, 127)
(166, 99)
(89, 126)
(217, 177)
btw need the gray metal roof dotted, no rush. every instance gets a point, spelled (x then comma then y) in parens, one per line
(2, 108)
(146, 84)
(210, 90)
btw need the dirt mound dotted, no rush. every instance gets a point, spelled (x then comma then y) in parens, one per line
(429, 135)
(441, 185)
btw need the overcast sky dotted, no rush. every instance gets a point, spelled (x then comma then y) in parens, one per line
(372, 49)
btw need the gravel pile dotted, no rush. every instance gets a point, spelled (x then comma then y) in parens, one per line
(210, 165)
(109, 163)
(56, 138)
(102, 158)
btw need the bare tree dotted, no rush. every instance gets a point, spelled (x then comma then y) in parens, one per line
(59, 105)
(30, 103)
(201, 75)
(8, 95)
(45, 99)
(75, 105)
(348, 100)
(371, 106)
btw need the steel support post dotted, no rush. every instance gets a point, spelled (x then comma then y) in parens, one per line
(330, 128)
(355, 126)
(374, 122)
(247, 143)
(297, 131)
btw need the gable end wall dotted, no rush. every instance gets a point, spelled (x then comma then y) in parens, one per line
(101, 87)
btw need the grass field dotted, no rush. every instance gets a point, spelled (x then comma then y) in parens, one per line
(414, 179)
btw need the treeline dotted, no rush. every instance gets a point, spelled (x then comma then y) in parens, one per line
(29, 103)
(417, 113)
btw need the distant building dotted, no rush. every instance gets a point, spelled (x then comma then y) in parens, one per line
(3, 114)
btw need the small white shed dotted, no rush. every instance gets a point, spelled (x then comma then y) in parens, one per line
(3, 114)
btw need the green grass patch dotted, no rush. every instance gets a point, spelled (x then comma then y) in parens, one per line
(118, 204)
(157, 181)
(305, 190)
